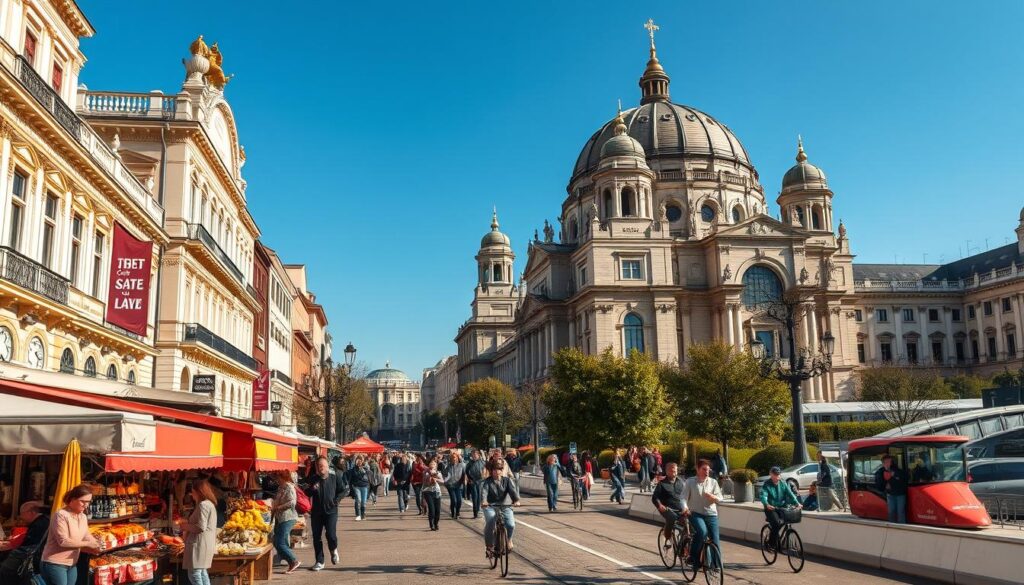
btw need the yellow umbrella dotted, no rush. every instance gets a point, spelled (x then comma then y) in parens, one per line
(70, 473)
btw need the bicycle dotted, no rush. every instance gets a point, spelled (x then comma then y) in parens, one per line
(709, 560)
(791, 544)
(677, 545)
(577, 492)
(498, 554)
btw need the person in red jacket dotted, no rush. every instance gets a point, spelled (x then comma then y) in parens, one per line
(417, 482)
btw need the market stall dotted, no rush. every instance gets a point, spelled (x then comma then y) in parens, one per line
(362, 445)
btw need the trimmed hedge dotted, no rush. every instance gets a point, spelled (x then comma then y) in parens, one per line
(742, 475)
(780, 454)
(839, 431)
(704, 449)
(605, 458)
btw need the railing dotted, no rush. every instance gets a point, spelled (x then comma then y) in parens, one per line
(1006, 510)
(196, 231)
(702, 175)
(85, 136)
(972, 281)
(200, 334)
(143, 105)
(279, 375)
(29, 274)
(671, 175)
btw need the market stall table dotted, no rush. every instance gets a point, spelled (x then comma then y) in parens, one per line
(240, 569)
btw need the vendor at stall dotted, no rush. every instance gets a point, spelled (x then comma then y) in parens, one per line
(67, 536)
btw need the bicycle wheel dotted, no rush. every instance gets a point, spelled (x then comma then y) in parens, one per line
(711, 558)
(794, 548)
(502, 550)
(668, 555)
(768, 553)
(689, 570)
(493, 558)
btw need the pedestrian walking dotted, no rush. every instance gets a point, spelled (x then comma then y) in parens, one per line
(69, 534)
(588, 474)
(285, 517)
(401, 474)
(646, 470)
(359, 480)
(200, 534)
(552, 471)
(431, 490)
(385, 475)
(475, 475)
(325, 490)
(454, 482)
(618, 477)
(373, 475)
(514, 463)
(416, 479)
(719, 468)
(892, 481)
(825, 483)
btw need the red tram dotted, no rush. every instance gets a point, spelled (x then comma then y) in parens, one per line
(937, 493)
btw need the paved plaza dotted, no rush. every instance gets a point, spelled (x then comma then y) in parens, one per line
(598, 545)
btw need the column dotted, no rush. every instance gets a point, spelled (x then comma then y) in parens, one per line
(816, 381)
(924, 346)
(730, 330)
(897, 319)
(981, 334)
(1000, 339)
(739, 326)
(687, 332)
(947, 313)
(1019, 333)
(869, 345)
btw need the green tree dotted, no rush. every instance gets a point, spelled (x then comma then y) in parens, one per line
(354, 411)
(483, 407)
(903, 395)
(433, 425)
(721, 394)
(963, 386)
(1005, 379)
(605, 400)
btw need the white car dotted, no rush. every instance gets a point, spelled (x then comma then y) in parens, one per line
(799, 477)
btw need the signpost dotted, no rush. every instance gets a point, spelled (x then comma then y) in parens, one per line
(572, 448)
(204, 383)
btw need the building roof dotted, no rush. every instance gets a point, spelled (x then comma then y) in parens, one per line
(388, 373)
(983, 263)
(890, 272)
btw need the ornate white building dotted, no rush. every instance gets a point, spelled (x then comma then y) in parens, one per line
(665, 241)
(396, 400)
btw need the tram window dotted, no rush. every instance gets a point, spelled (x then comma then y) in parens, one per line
(983, 472)
(1008, 471)
(1009, 448)
(970, 429)
(922, 466)
(1014, 420)
(991, 425)
(865, 464)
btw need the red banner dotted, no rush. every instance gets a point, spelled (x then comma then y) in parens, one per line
(128, 297)
(261, 391)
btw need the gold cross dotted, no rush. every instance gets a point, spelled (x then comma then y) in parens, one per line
(651, 27)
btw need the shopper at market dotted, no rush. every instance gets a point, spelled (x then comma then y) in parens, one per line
(385, 474)
(23, 552)
(474, 477)
(285, 517)
(431, 490)
(68, 535)
(359, 479)
(417, 482)
(401, 473)
(200, 532)
(454, 481)
(326, 490)
(374, 476)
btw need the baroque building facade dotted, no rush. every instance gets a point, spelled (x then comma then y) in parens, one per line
(664, 240)
(396, 401)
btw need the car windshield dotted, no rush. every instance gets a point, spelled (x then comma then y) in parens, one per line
(936, 462)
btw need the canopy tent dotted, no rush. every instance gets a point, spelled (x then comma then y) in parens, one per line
(245, 446)
(363, 445)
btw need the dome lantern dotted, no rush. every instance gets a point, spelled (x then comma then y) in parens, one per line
(654, 82)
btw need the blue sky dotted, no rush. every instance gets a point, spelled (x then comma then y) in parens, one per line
(392, 128)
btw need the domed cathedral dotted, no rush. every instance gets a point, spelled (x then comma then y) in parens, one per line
(396, 400)
(665, 241)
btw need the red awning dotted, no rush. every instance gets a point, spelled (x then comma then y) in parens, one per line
(363, 445)
(246, 446)
(177, 448)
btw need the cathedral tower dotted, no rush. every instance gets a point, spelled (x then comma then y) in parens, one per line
(806, 200)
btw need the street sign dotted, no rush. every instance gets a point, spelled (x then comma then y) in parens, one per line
(492, 441)
(508, 441)
(204, 383)
(275, 406)
(572, 448)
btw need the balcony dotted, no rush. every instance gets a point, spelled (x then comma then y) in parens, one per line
(281, 376)
(31, 275)
(198, 333)
(124, 104)
(198, 232)
(45, 95)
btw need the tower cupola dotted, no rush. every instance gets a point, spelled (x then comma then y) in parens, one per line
(654, 82)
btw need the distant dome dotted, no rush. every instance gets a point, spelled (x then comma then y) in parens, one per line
(495, 237)
(388, 373)
(803, 175)
(622, 144)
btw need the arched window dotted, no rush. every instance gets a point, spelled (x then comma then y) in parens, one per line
(707, 213)
(67, 362)
(816, 218)
(90, 367)
(131, 376)
(737, 214)
(633, 327)
(112, 372)
(760, 286)
(186, 380)
(496, 273)
(800, 215)
(574, 230)
(627, 201)
(607, 203)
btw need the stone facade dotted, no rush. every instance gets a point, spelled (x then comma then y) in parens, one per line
(440, 383)
(396, 400)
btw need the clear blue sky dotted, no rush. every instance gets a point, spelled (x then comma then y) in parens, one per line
(392, 128)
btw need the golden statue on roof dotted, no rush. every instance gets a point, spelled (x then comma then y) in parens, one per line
(198, 47)
(215, 76)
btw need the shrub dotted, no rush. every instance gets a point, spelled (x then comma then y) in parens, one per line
(740, 458)
(743, 475)
(700, 449)
(672, 454)
(778, 454)
(605, 458)
(839, 431)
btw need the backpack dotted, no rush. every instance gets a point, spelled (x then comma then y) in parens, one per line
(302, 503)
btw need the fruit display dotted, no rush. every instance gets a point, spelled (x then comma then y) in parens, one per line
(230, 549)
(113, 536)
(247, 528)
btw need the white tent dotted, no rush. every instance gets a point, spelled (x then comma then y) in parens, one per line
(35, 427)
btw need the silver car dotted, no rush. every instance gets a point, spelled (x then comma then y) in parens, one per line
(799, 477)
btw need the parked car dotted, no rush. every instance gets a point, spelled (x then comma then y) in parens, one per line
(799, 477)
(999, 484)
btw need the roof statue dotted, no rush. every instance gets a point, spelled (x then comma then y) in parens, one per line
(198, 47)
(215, 76)
(198, 64)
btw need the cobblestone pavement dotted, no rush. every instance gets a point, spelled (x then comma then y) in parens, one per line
(597, 545)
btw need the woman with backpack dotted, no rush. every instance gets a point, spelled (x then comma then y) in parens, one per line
(285, 516)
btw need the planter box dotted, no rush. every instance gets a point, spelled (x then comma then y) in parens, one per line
(605, 474)
(743, 492)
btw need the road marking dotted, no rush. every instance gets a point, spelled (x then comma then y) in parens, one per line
(591, 551)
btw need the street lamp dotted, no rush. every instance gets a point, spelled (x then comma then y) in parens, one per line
(803, 368)
(326, 392)
(350, 355)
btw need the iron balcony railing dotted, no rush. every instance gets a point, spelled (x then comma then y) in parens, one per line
(196, 231)
(29, 274)
(198, 333)
(279, 375)
(46, 96)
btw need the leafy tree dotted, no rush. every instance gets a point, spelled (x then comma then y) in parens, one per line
(1005, 379)
(433, 425)
(963, 386)
(903, 395)
(354, 410)
(308, 415)
(605, 400)
(721, 394)
(481, 407)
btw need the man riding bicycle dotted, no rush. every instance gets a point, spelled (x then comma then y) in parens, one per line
(776, 496)
(668, 498)
(498, 490)
(700, 496)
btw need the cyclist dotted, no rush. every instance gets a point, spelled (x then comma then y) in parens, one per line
(498, 489)
(700, 496)
(776, 495)
(668, 499)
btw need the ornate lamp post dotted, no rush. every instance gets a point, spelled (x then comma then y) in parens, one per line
(802, 366)
(325, 393)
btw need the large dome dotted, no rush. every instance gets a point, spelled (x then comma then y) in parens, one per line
(666, 130)
(388, 373)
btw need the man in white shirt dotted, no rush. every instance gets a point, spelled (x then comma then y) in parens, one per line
(700, 496)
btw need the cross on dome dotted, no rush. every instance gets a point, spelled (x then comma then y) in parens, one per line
(651, 27)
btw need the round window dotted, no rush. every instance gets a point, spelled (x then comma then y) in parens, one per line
(707, 213)
(673, 212)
